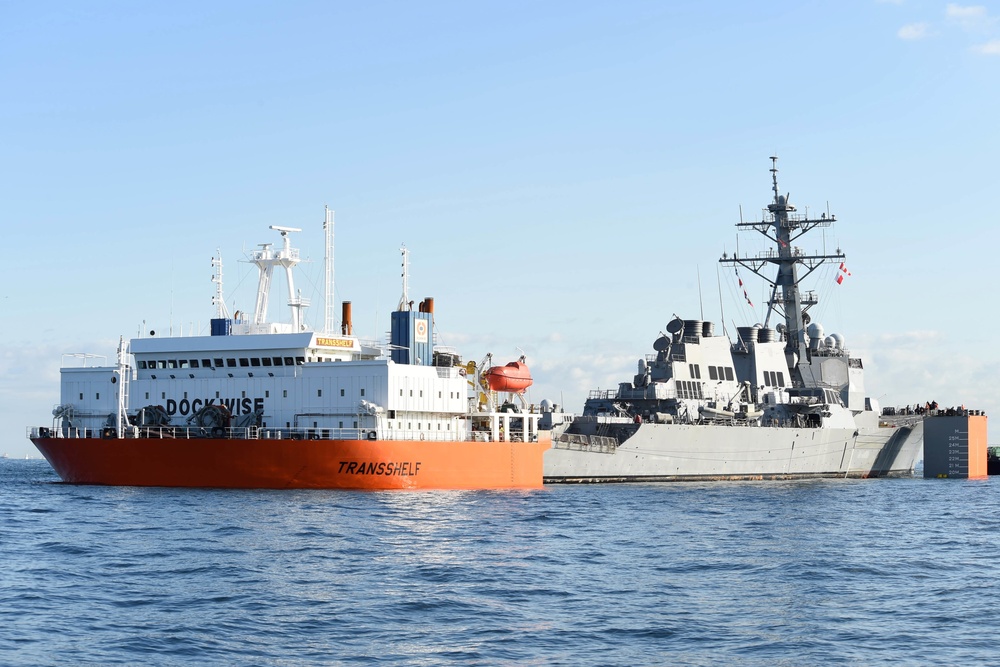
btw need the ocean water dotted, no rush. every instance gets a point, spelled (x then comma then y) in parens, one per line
(854, 572)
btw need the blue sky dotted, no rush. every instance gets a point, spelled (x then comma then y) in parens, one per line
(563, 174)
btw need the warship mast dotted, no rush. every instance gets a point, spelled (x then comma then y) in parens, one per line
(783, 226)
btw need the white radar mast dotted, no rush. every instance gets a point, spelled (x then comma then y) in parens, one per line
(266, 259)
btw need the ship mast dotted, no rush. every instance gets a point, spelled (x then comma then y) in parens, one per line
(329, 324)
(783, 226)
(266, 259)
(404, 301)
(220, 303)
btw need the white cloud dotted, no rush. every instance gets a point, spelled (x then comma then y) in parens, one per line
(989, 48)
(914, 31)
(974, 18)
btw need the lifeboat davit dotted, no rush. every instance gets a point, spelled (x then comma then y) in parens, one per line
(514, 377)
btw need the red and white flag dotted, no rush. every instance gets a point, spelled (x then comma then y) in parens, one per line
(843, 273)
(745, 295)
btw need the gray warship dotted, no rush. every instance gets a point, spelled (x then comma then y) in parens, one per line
(775, 403)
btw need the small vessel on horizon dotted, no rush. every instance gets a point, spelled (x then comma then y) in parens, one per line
(260, 404)
(778, 402)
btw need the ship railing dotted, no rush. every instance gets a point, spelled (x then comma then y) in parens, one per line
(586, 443)
(603, 394)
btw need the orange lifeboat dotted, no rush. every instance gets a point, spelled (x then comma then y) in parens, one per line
(514, 377)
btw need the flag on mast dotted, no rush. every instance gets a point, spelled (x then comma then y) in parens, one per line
(842, 274)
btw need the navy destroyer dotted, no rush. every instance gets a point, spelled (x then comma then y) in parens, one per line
(777, 402)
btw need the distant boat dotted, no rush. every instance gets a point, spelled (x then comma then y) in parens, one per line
(4, 456)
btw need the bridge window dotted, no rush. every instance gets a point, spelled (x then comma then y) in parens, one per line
(713, 373)
(266, 361)
(276, 360)
(255, 362)
(729, 374)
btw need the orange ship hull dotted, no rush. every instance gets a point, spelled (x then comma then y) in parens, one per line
(295, 464)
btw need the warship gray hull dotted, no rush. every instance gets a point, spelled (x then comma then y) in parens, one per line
(692, 452)
(781, 401)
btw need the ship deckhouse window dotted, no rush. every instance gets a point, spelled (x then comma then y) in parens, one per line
(231, 363)
(713, 374)
(97, 396)
(206, 363)
(216, 394)
(172, 363)
(421, 393)
(81, 396)
(289, 361)
(243, 396)
(164, 395)
(319, 392)
(266, 361)
(284, 393)
(244, 362)
(218, 363)
(160, 363)
(183, 363)
(300, 360)
(362, 391)
(255, 362)
(781, 379)
(400, 392)
(194, 363)
(142, 365)
(341, 424)
(729, 374)
(147, 396)
(267, 394)
(341, 392)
